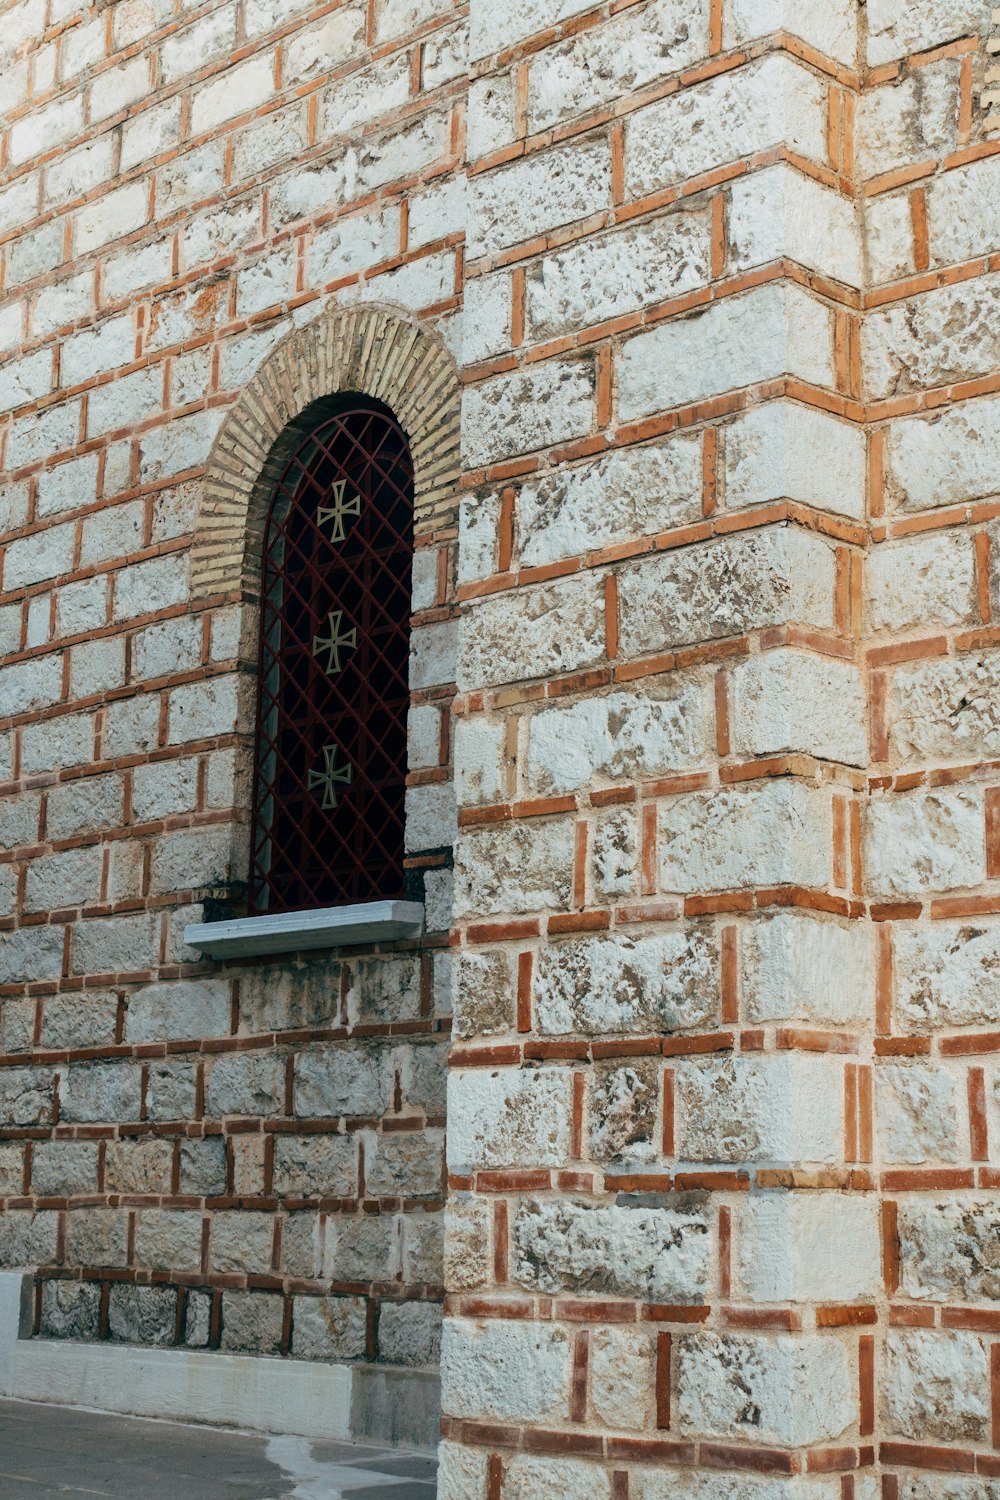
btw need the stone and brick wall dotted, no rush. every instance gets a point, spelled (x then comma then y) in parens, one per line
(248, 1157)
(713, 658)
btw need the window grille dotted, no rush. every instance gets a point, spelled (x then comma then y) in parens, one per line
(333, 688)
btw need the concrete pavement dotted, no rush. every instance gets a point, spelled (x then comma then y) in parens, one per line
(56, 1451)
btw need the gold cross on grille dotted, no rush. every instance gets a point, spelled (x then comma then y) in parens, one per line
(330, 777)
(336, 641)
(342, 507)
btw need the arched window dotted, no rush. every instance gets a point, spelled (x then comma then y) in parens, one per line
(333, 685)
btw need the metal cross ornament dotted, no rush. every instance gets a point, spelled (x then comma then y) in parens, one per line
(337, 513)
(335, 642)
(330, 777)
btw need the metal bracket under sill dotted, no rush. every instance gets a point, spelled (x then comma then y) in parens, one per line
(327, 927)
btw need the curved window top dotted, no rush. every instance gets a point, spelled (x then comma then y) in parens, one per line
(333, 674)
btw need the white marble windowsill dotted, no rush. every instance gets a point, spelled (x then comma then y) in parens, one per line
(327, 927)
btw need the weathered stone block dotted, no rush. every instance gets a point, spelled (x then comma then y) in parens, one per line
(773, 331)
(922, 582)
(289, 998)
(506, 1371)
(242, 1242)
(763, 1390)
(779, 833)
(622, 1378)
(527, 410)
(652, 1254)
(782, 451)
(918, 1113)
(780, 1108)
(405, 1165)
(385, 990)
(925, 841)
(799, 969)
(332, 1328)
(312, 1166)
(59, 1168)
(252, 1322)
(332, 1079)
(171, 1092)
(808, 1247)
(508, 1118)
(781, 214)
(409, 1333)
(203, 1166)
(513, 868)
(191, 1009)
(105, 1091)
(945, 336)
(789, 700)
(937, 1385)
(946, 709)
(724, 588)
(555, 1479)
(141, 1166)
(535, 632)
(946, 975)
(601, 279)
(168, 1240)
(468, 1263)
(27, 1239)
(70, 1310)
(945, 458)
(948, 1250)
(246, 1083)
(666, 983)
(97, 1237)
(26, 1095)
(533, 196)
(773, 102)
(143, 1314)
(622, 737)
(362, 1248)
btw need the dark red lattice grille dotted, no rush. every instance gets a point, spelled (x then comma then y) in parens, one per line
(333, 692)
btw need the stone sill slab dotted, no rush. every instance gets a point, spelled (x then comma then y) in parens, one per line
(327, 927)
(297, 1398)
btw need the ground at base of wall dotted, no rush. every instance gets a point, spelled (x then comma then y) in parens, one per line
(49, 1451)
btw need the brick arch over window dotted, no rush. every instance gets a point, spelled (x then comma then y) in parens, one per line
(372, 350)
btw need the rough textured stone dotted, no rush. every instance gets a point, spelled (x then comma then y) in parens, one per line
(944, 458)
(333, 1080)
(949, 1251)
(537, 632)
(947, 336)
(510, 1371)
(724, 588)
(796, 968)
(513, 868)
(917, 1113)
(483, 993)
(774, 834)
(109, 1092)
(313, 1166)
(622, 1377)
(252, 1322)
(623, 737)
(925, 841)
(789, 700)
(508, 1118)
(168, 1240)
(142, 1314)
(332, 1328)
(782, 451)
(922, 582)
(409, 1333)
(782, 1390)
(246, 1083)
(644, 985)
(781, 1109)
(937, 1385)
(632, 493)
(70, 1310)
(655, 1255)
(798, 1249)
(947, 975)
(946, 710)
(467, 1261)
